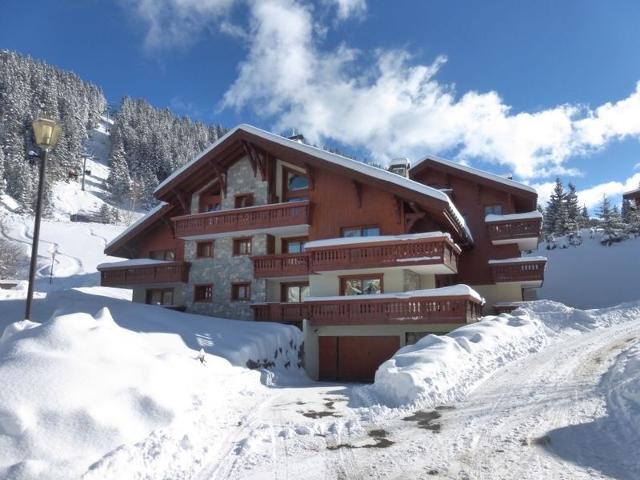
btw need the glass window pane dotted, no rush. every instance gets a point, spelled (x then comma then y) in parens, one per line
(297, 182)
(353, 287)
(294, 247)
(167, 297)
(293, 293)
(304, 292)
(371, 286)
(351, 232)
(156, 297)
(170, 255)
(370, 232)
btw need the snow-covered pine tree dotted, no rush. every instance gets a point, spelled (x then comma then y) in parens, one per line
(3, 183)
(573, 209)
(610, 219)
(584, 220)
(119, 181)
(556, 217)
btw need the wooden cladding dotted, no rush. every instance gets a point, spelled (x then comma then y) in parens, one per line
(405, 311)
(403, 253)
(174, 272)
(236, 220)
(290, 313)
(525, 271)
(514, 229)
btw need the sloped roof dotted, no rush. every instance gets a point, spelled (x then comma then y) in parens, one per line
(363, 171)
(138, 226)
(491, 177)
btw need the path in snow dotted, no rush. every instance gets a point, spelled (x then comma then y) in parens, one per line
(541, 417)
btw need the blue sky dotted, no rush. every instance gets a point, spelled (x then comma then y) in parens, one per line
(508, 86)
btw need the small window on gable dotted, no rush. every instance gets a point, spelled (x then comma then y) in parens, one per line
(203, 293)
(296, 181)
(244, 200)
(241, 291)
(204, 249)
(242, 246)
(296, 185)
(361, 232)
(493, 209)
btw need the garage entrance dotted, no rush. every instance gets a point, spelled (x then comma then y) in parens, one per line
(354, 359)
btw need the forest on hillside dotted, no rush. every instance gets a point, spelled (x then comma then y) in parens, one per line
(147, 143)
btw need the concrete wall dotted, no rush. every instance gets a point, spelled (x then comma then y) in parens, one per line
(501, 292)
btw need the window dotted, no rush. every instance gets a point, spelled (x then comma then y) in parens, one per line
(294, 292)
(361, 232)
(241, 291)
(204, 249)
(159, 296)
(203, 293)
(209, 202)
(493, 209)
(244, 200)
(296, 185)
(162, 255)
(361, 285)
(242, 246)
(293, 245)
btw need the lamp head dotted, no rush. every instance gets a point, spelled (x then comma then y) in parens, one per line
(47, 132)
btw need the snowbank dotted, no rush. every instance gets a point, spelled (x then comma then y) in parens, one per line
(78, 386)
(623, 396)
(441, 369)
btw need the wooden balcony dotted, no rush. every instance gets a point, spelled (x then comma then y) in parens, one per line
(529, 272)
(125, 276)
(261, 217)
(438, 255)
(285, 265)
(523, 231)
(289, 313)
(403, 311)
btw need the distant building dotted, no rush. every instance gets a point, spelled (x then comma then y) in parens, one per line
(633, 196)
(364, 260)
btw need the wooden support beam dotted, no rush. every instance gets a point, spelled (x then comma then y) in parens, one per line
(182, 199)
(310, 175)
(399, 204)
(358, 187)
(170, 224)
(252, 159)
(222, 176)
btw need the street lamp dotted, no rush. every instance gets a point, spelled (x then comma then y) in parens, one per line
(47, 133)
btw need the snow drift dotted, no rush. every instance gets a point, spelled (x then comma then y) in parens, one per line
(441, 369)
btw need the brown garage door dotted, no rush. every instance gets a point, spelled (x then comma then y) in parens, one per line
(354, 359)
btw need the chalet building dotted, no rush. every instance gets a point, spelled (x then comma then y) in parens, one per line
(633, 196)
(364, 260)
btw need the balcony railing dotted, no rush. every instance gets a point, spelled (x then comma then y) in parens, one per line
(405, 311)
(514, 229)
(289, 313)
(401, 253)
(519, 271)
(174, 272)
(285, 265)
(238, 219)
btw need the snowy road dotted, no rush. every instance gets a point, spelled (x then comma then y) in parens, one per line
(544, 416)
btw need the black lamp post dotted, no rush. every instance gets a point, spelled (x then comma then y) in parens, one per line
(47, 133)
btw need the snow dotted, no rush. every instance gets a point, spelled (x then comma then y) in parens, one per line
(475, 171)
(335, 159)
(450, 291)
(134, 262)
(591, 275)
(441, 369)
(333, 242)
(631, 192)
(513, 216)
(518, 260)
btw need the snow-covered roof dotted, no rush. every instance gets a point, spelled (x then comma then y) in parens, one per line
(334, 158)
(450, 291)
(512, 216)
(518, 260)
(476, 171)
(632, 192)
(134, 262)
(334, 242)
(136, 224)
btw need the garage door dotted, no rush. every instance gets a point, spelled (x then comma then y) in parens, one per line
(354, 359)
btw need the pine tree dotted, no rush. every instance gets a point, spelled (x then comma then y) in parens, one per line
(105, 214)
(119, 181)
(584, 220)
(3, 183)
(556, 218)
(610, 219)
(573, 209)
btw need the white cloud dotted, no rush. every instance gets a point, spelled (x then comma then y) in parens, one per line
(636, 166)
(592, 197)
(383, 101)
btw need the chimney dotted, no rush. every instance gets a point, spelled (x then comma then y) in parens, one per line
(400, 166)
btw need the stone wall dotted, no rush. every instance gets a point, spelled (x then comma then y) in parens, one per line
(224, 268)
